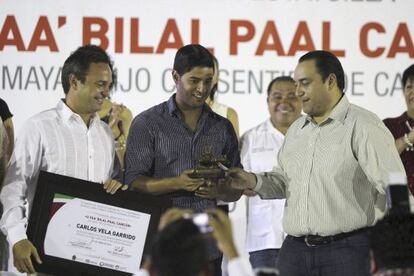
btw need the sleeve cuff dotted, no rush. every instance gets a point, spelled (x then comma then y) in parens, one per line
(16, 233)
(259, 183)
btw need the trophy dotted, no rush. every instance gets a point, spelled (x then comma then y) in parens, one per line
(209, 166)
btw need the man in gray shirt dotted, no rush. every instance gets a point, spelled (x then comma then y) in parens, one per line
(333, 165)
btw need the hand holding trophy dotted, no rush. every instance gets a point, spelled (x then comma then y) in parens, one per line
(212, 170)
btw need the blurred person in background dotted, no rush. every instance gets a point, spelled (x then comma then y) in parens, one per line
(6, 117)
(119, 119)
(402, 127)
(259, 148)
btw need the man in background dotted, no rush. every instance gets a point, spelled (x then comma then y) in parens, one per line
(259, 148)
(6, 117)
(6, 144)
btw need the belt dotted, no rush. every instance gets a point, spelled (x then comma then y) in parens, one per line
(315, 240)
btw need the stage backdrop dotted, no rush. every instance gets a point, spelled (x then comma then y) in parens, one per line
(254, 40)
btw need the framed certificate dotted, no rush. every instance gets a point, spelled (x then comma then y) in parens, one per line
(79, 229)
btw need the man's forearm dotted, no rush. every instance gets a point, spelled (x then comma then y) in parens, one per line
(155, 186)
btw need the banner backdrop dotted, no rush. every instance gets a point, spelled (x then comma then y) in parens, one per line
(254, 41)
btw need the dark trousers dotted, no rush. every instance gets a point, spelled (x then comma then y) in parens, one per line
(4, 247)
(264, 258)
(345, 257)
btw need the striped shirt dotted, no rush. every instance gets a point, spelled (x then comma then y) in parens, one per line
(161, 145)
(57, 141)
(332, 173)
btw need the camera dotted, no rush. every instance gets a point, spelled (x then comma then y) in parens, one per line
(201, 221)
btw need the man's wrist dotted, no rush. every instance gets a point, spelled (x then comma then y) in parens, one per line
(253, 182)
(16, 234)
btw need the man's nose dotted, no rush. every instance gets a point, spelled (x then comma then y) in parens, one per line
(299, 91)
(105, 92)
(202, 87)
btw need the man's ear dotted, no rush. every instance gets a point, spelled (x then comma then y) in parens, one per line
(332, 81)
(176, 76)
(73, 81)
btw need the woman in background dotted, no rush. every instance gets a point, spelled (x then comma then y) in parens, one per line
(221, 109)
(119, 119)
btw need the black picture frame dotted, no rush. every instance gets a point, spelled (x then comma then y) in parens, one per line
(49, 184)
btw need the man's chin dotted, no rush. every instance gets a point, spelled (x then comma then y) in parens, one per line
(198, 103)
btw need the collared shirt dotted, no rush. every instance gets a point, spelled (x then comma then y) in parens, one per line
(398, 127)
(331, 173)
(57, 141)
(259, 148)
(161, 145)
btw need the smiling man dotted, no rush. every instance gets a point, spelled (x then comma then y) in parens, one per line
(69, 139)
(165, 141)
(332, 166)
(259, 148)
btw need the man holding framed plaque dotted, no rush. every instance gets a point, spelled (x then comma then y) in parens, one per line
(166, 141)
(69, 139)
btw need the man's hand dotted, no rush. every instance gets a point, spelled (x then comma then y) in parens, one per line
(111, 186)
(208, 190)
(222, 232)
(22, 252)
(184, 182)
(241, 179)
(116, 111)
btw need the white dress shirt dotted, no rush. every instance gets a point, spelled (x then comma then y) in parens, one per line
(259, 148)
(57, 141)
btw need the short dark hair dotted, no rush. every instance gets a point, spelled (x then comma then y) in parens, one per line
(215, 86)
(78, 64)
(279, 79)
(408, 74)
(179, 249)
(190, 56)
(327, 63)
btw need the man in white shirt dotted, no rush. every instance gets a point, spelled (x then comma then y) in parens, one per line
(259, 148)
(69, 139)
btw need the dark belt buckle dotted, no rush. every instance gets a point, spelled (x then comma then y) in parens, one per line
(312, 241)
